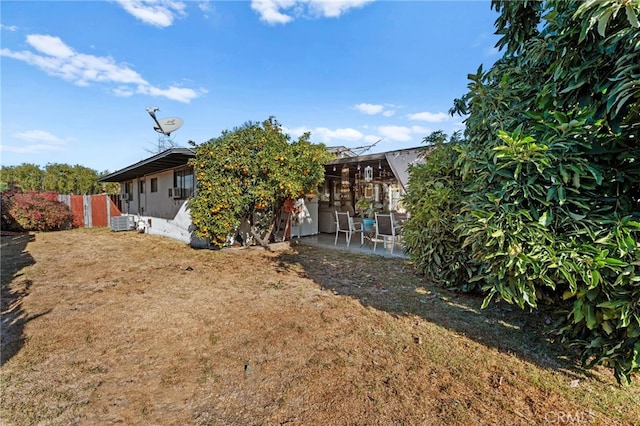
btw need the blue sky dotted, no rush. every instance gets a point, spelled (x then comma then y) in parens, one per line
(77, 76)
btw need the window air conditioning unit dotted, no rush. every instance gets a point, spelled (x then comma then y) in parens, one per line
(124, 197)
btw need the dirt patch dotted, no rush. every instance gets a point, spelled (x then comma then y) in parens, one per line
(129, 328)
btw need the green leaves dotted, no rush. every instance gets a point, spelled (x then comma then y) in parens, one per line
(433, 200)
(61, 178)
(631, 15)
(245, 175)
(550, 170)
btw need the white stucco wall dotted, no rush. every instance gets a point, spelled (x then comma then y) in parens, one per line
(154, 204)
(178, 228)
(159, 204)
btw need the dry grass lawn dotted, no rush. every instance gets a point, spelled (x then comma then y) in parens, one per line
(101, 328)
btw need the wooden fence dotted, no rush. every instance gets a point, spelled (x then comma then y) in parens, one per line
(92, 210)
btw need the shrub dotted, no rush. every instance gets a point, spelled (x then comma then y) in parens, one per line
(434, 201)
(34, 211)
(8, 223)
(551, 172)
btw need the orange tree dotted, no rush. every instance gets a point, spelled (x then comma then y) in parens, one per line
(244, 176)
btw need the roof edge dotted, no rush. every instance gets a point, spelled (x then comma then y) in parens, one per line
(163, 154)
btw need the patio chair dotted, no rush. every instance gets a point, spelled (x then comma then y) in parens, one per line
(384, 229)
(344, 223)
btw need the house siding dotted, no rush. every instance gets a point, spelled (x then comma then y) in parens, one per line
(155, 204)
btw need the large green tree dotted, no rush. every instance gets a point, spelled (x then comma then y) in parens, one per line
(60, 178)
(551, 170)
(26, 176)
(245, 175)
(85, 180)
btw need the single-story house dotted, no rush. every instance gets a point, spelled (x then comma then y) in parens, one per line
(155, 191)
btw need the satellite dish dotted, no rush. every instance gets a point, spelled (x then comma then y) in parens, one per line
(166, 126)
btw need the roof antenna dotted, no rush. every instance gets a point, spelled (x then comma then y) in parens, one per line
(164, 126)
(359, 150)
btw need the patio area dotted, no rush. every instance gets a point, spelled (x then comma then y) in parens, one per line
(326, 240)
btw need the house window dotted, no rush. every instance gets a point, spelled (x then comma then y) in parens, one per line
(128, 190)
(154, 184)
(183, 183)
(141, 187)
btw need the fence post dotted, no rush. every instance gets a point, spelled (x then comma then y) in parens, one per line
(66, 199)
(86, 204)
(107, 203)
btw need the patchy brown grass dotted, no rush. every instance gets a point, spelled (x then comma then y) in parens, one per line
(101, 328)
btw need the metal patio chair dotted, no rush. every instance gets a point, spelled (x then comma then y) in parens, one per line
(384, 229)
(345, 224)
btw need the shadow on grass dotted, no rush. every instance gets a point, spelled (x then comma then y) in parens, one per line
(14, 258)
(393, 286)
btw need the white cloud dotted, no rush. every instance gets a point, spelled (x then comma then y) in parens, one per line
(420, 129)
(402, 133)
(123, 91)
(284, 11)
(159, 13)
(396, 133)
(9, 27)
(296, 132)
(38, 136)
(387, 110)
(429, 117)
(348, 135)
(49, 45)
(369, 109)
(205, 6)
(35, 142)
(55, 58)
(327, 135)
(335, 8)
(179, 94)
(269, 10)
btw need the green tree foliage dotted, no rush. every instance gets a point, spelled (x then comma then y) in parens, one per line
(60, 178)
(27, 177)
(434, 200)
(551, 169)
(66, 179)
(108, 187)
(245, 175)
(85, 180)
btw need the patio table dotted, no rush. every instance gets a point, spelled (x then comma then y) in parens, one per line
(368, 235)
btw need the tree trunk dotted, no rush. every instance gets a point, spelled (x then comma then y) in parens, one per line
(263, 241)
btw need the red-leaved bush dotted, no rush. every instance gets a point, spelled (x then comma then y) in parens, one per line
(34, 211)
